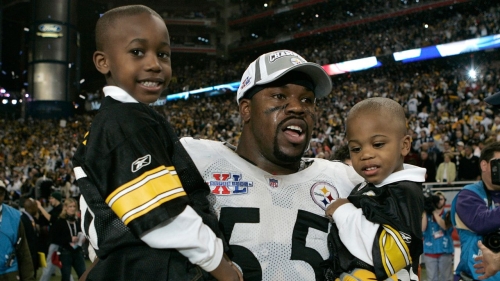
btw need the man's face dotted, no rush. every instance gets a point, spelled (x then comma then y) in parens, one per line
(281, 120)
(486, 172)
(138, 56)
(53, 201)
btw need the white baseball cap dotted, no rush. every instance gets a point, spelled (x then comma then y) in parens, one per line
(273, 65)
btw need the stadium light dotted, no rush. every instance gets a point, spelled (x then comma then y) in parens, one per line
(473, 74)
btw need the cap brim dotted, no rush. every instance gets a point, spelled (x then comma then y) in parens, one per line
(321, 80)
(493, 99)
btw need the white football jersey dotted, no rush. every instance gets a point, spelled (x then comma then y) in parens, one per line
(275, 224)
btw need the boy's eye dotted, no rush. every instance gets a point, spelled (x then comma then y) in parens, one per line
(354, 149)
(279, 96)
(378, 144)
(137, 52)
(163, 55)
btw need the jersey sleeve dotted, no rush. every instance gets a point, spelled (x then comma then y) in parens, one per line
(391, 219)
(129, 163)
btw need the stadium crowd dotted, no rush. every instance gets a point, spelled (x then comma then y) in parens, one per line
(445, 108)
(444, 25)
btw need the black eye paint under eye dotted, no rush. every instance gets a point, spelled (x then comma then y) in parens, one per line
(271, 110)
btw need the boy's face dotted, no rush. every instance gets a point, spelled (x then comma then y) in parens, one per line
(376, 146)
(136, 56)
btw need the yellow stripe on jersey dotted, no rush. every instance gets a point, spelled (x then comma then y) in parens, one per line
(394, 252)
(144, 193)
(85, 138)
(359, 274)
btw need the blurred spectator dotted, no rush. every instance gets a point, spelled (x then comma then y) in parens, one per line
(31, 229)
(429, 165)
(15, 257)
(68, 235)
(446, 171)
(469, 169)
(51, 216)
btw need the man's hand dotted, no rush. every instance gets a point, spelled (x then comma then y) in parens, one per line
(334, 206)
(227, 271)
(488, 263)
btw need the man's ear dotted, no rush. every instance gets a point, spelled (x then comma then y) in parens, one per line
(405, 145)
(245, 110)
(100, 62)
(484, 166)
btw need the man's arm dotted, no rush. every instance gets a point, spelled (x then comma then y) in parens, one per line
(42, 210)
(23, 255)
(475, 214)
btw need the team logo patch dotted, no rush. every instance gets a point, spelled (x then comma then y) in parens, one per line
(140, 163)
(323, 194)
(228, 184)
(296, 61)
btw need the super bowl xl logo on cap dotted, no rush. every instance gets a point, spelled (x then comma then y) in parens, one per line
(228, 184)
(324, 194)
(245, 82)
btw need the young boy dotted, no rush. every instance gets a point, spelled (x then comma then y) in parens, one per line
(379, 233)
(134, 175)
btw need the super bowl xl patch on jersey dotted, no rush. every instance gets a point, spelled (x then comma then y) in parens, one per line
(323, 194)
(228, 184)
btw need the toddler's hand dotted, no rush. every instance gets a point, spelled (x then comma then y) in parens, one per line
(333, 207)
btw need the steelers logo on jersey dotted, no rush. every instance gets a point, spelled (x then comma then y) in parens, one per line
(323, 194)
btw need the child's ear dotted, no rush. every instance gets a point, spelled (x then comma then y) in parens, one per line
(405, 145)
(100, 62)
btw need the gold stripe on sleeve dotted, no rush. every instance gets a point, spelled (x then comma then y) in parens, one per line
(145, 193)
(394, 252)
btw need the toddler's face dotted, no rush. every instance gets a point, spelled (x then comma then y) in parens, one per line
(138, 56)
(376, 147)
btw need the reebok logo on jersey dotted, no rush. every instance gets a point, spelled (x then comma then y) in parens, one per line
(228, 184)
(323, 194)
(406, 237)
(141, 162)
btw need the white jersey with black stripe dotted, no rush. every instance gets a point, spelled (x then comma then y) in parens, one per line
(275, 224)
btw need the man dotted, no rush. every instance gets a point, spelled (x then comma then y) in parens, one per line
(55, 199)
(270, 201)
(28, 219)
(468, 170)
(15, 258)
(429, 165)
(475, 213)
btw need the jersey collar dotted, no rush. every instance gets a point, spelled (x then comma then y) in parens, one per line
(409, 173)
(118, 94)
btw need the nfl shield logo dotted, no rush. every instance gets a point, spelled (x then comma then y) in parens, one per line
(273, 182)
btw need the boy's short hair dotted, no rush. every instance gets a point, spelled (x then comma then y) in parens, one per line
(107, 19)
(377, 104)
